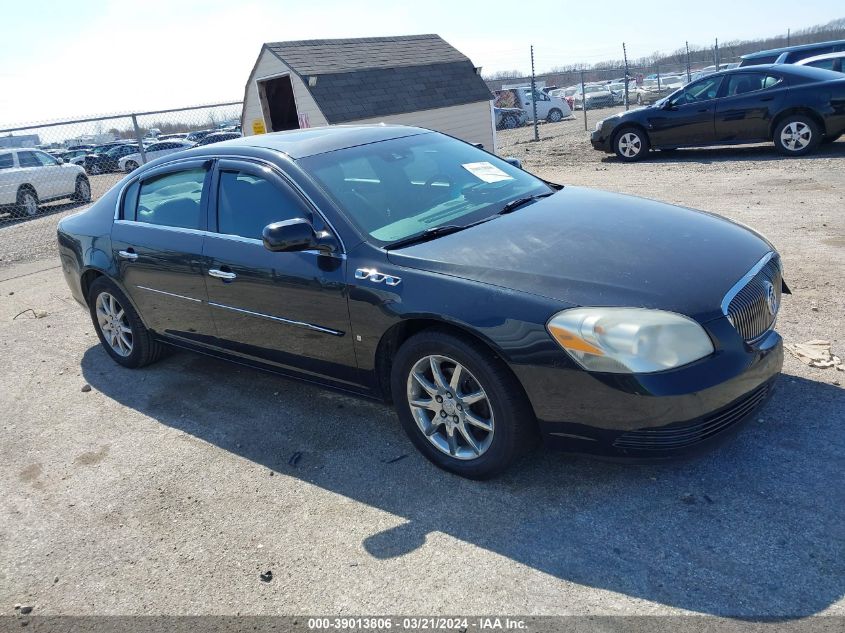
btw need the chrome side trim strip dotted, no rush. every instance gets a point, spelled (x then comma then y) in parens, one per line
(308, 326)
(743, 281)
(170, 294)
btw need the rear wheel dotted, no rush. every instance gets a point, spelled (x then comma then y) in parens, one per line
(459, 405)
(630, 144)
(554, 116)
(796, 135)
(131, 165)
(27, 203)
(119, 327)
(95, 169)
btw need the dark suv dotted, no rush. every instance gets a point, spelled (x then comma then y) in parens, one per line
(107, 159)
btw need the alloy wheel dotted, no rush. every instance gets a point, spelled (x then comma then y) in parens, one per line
(113, 324)
(796, 136)
(450, 407)
(30, 204)
(630, 144)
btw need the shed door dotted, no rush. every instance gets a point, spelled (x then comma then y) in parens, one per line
(278, 103)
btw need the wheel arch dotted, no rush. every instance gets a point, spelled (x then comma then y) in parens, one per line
(397, 334)
(803, 110)
(27, 187)
(624, 126)
(91, 274)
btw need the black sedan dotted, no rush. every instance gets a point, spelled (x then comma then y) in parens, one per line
(108, 159)
(491, 307)
(796, 107)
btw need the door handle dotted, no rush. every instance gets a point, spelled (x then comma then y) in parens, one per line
(222, 274)
(128, 254)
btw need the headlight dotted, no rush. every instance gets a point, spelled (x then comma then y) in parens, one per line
(629, 340)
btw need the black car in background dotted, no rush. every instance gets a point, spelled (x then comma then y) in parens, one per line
(108, 158)
(796, 107)
(488, 305)
(216, 137)
(792, 54)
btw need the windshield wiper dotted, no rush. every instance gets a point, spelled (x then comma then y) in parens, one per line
(513, 205)
(429, 234)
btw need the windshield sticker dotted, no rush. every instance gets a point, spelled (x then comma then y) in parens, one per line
(487, 172)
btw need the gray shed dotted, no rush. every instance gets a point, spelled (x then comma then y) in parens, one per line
(412, 80)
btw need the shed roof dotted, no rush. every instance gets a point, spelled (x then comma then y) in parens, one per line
(369, 77)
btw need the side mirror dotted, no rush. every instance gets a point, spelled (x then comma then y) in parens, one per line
(478, 145)
(60, 160)
(513, 161)
(297, 234)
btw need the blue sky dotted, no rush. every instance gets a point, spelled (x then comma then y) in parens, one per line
(61, 59)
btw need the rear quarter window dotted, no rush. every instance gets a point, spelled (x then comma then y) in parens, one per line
(7, 161)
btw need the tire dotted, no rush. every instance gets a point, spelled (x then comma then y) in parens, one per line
(630, 144)
(143, 349)
(27, 203)
(131, 166)
(82, 193)
(796, 135)
(503, 406)
(95, 169)
(554, 115)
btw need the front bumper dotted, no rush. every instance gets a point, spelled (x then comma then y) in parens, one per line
(653, 416)
(599, 141)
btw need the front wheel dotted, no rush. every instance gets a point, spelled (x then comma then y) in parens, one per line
(131, 166)
(82, 193)
(630, 144)
(460, 405)
(95, 169)
(119, 327)
(796, 135)
(555, 115)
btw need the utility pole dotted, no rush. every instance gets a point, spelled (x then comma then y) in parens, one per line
(625, 56)
(716, 54)
(584, 101)
(788, 36)
(689, 75)
(534, 96)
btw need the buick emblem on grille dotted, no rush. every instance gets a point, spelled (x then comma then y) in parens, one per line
(771, 298)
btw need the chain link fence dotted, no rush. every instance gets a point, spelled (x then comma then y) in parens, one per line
(54, 168)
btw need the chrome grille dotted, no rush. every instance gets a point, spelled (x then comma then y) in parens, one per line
(752, 304)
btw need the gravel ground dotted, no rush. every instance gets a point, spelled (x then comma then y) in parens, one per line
(170, 489)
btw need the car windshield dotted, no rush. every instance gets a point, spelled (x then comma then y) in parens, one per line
(402, 187)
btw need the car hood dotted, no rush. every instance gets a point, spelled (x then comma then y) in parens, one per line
(589, 247)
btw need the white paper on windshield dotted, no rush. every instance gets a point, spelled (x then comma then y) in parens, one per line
(487, 172)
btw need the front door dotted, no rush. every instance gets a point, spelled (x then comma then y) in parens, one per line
(158, 242)
(688, 117)
(750, 101)
(288, 309)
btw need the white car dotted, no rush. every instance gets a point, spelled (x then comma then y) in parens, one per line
(163, 148)
(553, 109)
(828, 61)
(29, 177)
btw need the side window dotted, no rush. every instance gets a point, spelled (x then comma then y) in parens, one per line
(130, 201)
(7, 161)
(247, 203)
(826, 64)
(702, 90)
(172, 199)
(28, 159)
(770, 82)
(45, 159)
(742, 83)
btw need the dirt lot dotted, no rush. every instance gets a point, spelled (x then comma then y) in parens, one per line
(170, 489)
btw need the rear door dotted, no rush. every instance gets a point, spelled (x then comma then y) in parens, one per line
(158, 242)
(749, 101)
(63, 180)
(34, 174)
(288, 309)
(688, 117)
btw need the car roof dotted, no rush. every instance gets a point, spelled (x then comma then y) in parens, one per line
(818, 58)
(317, 140)
(789, 49)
